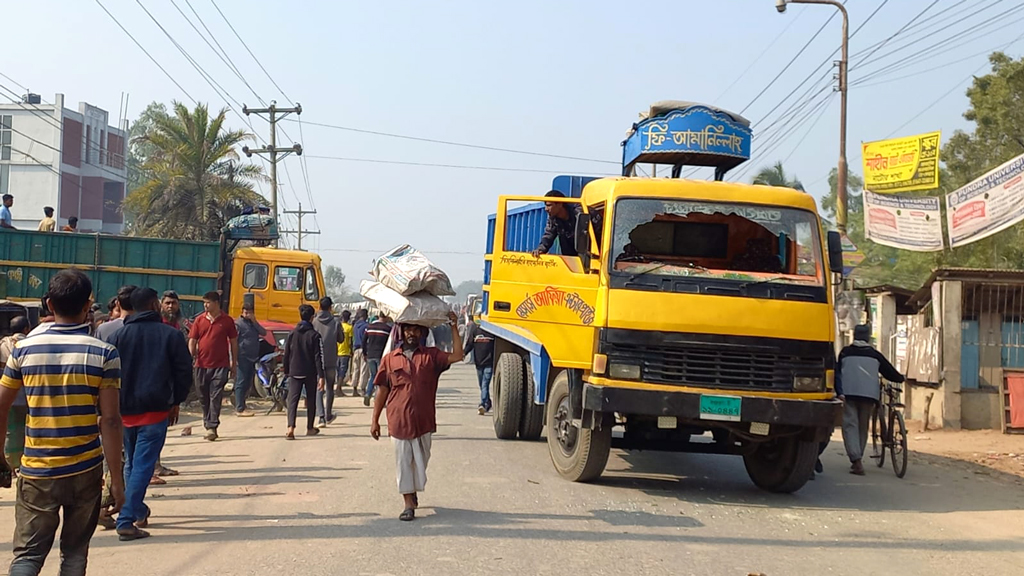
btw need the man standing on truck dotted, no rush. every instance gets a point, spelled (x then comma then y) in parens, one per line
(331, 334)
(213, 343)
(374, 343)
(72, 225)
(47, 224)
(6, 220)
(156, 374)
(561, 225)
(407, 384)
(250, 332)
(858, 387)
(482, 345)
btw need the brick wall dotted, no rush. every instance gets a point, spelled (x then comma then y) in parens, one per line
(72, 148)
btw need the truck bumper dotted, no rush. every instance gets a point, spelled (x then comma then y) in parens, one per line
(686, 406)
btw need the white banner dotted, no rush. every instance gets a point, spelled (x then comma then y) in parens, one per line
(907, 222)
(988, 205)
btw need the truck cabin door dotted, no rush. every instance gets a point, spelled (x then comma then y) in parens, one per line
(255, 280)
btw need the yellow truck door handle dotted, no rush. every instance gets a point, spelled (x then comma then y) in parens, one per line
(275, 305)
(502, 306)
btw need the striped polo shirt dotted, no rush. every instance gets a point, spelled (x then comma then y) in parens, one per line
(62, 370)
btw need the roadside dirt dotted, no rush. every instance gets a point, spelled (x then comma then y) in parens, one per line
(984, 452)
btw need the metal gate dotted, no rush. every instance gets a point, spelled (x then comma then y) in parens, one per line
(992, 332)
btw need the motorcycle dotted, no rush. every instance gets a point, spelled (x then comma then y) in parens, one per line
(271, 382)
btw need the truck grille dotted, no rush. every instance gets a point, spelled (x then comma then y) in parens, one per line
(716, 366)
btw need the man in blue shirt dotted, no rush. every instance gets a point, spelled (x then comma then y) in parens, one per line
(360, 371)
(6, 220)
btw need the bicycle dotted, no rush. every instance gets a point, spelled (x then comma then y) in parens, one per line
(888, 430)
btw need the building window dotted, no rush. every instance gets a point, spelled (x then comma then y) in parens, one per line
(5, 137)
(5, 176)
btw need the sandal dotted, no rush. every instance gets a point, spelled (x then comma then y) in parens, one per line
(132, 534)
(289, 436)
(144, 521)
(157, 481)
(408, 515)
(312, 432)
(165, 471)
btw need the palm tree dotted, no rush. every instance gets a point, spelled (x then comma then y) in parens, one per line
(776, 176)
(195, 182)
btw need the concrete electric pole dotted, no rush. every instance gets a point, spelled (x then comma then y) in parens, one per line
(273, 115)
(300, 232)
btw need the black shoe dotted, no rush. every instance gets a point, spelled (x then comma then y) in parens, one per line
(332, 418)
(132, 533)
(323, 423)
(818, 467)
(366, 400)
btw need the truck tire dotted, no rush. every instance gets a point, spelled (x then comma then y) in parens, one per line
(578, 454)
(507, 395)
(782, 465)
(532, 423)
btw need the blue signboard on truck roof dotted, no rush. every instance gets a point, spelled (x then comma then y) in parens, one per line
(696, 135)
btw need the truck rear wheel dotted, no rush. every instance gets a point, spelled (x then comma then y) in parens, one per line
(578, 454)
(507, 395)
(782, 465)
(532, 423)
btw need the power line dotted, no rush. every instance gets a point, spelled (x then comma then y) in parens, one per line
(761, 55)
(898, 32)
(434, 165)
(228, 22)
(451, 143)
(146, 52)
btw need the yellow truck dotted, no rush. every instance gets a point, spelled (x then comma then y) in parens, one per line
(693, 316)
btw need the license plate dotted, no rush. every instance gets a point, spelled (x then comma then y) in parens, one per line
(725, 408)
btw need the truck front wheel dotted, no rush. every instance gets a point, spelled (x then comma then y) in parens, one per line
(579, 454)
(507, 394)
(781, 465)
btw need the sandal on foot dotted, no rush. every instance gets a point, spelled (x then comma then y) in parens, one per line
(131, 534)
(144, 521)
(165, 471)
(312, 431)
(157, 481)
(289, 436)
(407, 515)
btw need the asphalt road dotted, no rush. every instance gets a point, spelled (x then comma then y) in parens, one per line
(252, 503)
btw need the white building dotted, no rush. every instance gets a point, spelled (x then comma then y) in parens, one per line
(72, 161)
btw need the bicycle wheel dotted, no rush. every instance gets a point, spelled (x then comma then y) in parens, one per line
(878, 437)
(898, 447)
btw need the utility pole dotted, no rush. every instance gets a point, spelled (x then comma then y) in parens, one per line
(841, 200)
(273, 115)
(299, 233)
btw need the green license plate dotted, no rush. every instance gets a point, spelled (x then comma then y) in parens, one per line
(725, 408)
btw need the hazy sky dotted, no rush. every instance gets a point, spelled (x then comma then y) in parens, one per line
(564, 78)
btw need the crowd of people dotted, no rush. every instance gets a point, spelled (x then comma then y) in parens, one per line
(46, 224)
(87, 397)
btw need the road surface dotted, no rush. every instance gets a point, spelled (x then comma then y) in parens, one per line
(252, 503)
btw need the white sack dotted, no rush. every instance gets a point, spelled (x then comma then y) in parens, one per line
(407, 271)
(421, 308)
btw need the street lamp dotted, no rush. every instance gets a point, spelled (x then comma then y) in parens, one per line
(780, 5)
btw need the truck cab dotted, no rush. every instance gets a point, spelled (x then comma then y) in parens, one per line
(697, 316)
(279, 280)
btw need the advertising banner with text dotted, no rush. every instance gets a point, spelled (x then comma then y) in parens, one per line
(907, 222)
(902, 164)
(988, 205)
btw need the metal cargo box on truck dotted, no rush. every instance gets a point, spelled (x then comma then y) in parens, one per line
(28, 260)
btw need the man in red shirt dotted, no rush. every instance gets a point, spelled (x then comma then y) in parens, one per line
(213, 343)
(407, 384)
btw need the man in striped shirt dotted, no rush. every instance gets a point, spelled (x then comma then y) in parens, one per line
(71, 380)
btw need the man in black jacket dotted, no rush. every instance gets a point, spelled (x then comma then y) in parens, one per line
(482, 345)
(156, 375)
(561, 225)
(304, 370)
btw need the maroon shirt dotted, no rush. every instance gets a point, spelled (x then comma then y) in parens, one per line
(214, 340)
(413, 390)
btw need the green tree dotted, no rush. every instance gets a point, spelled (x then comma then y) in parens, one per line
(334, 283)
(775, 175)
(193, 182)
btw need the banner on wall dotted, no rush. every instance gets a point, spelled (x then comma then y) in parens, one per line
(987, 205)
(906, 222)
(902, 164)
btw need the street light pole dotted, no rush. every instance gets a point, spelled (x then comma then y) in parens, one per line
(841, 200)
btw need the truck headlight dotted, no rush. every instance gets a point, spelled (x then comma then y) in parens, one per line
(624, 371)
(808, 383)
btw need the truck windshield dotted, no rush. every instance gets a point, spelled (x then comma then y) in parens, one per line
(729, 241)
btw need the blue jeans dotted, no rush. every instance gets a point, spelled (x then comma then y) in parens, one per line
(343, 363)
(142, 446)
(243, 383)
(371, 367)
(483, 375)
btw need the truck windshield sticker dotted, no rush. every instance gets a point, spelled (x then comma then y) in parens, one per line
(552, 296)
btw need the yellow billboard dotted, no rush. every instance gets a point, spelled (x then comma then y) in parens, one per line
(902, 164)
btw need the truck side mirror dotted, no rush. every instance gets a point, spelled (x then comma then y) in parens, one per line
(582, 237)
(835, 252)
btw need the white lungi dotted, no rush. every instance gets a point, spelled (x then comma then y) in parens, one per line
(411, 457)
